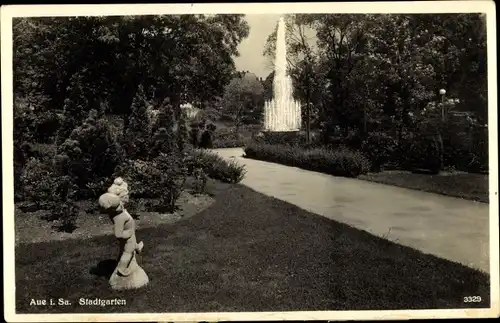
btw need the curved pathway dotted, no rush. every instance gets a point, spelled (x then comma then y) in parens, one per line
(450, 228)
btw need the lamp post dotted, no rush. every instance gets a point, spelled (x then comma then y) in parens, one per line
(442, 92)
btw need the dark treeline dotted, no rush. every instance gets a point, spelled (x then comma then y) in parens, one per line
(363, 74)
(97, 98)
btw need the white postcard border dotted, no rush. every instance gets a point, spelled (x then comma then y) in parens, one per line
(8, 12)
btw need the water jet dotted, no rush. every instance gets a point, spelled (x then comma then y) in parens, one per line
(282, 113)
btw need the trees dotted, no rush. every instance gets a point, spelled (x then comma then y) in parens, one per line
(375, 72)
(243, 100)
(168, 54)
(67, 67)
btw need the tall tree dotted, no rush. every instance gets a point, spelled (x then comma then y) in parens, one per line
(243, 100)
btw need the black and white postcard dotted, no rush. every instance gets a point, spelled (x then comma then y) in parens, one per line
(250, 162)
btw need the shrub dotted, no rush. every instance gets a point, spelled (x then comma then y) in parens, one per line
(44, 188)
(64, 208)
(170, 179)
(66, 214)
(137, 133)
(425, 154)
(90, 153)
(75, 106)
(230, 142)
(163, 141)
(339, 162)
(289, 138)
(37, 183)
(200, 177)
(182, 132)
(194, 135)
(206, 139)
(228, 138)
(162, 178)
(379, 148)
(215, 166)
(139, 175)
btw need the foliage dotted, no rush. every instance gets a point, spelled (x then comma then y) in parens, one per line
(200, 177)
(74, 108)
(206, 139)
(227, 137)
(425, 154)
(374, 72)
(243, 100)
(169, 180)
(230, 142)
(45, 188)
(64, 209)
(182, 132)
(139, 174)
(162, 178)
(137, 133)
(339, 162)
(133, 50)
(90, 153)
(379, 148)
(194, 134)
(37, 183)
(281, 138)
(215, 166)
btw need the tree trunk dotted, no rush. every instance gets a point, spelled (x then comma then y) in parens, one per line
(365, 132)
(308, 123)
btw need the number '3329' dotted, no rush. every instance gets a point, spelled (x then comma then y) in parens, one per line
(472, 299)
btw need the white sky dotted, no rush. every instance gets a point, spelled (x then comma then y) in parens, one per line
(251, 48)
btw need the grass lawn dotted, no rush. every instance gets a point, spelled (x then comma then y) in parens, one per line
(247, 252)
(463, 185)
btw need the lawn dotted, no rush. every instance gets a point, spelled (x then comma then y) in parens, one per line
(247, 252)
(458, 184)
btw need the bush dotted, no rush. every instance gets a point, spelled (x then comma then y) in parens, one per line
(289, 138)
(206, 139)
(228, 138)
(194, 135)
(339, 162)
(215, 166)
(230, 143)
(162, 178)
(200, 178)
(66, 214)
(37, 183)
(139, 174)
(170, 179)
(64, 208)
(45, 189)
(137, 133)
(75, 106)
(379, 148)
(91, 153)
(425, 154)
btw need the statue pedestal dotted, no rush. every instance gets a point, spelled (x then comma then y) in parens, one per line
(137, 279)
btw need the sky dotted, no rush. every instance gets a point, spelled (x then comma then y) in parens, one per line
(251, 48)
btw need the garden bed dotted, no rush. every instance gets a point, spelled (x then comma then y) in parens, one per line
(337, 162)
(31, 227)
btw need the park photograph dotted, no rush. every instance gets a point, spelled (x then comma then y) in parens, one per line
(183, 161)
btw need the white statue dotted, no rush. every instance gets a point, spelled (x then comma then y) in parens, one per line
(127, 274)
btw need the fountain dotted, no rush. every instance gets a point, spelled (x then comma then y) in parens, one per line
(282, 113)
